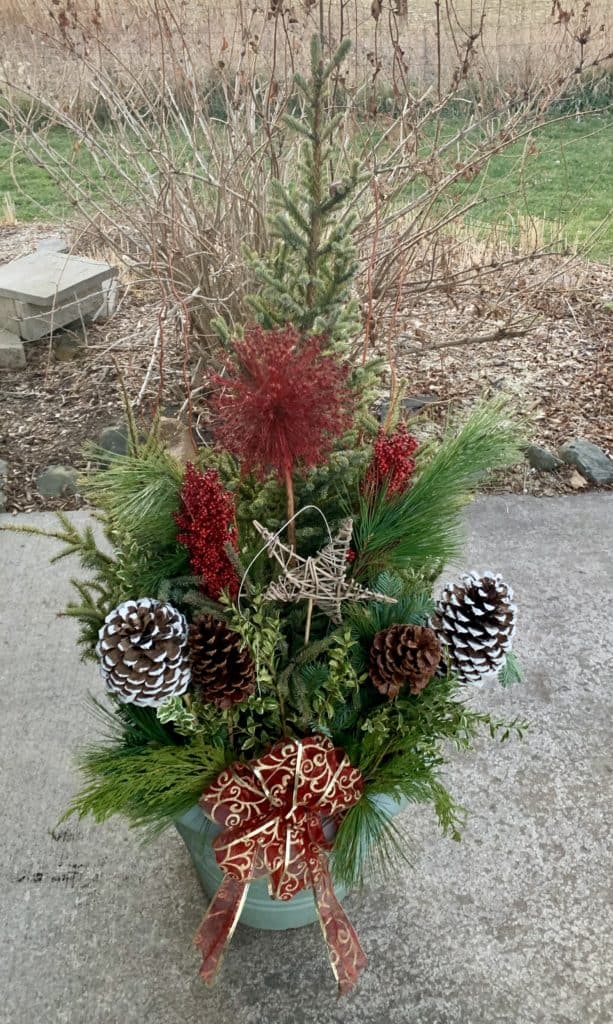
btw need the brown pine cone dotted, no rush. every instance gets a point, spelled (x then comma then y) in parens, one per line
(222, 672)
(142, 648)
(403, 655)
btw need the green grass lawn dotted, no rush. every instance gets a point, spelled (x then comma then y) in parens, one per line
(34, 194)
(565, 184)
(32, 190)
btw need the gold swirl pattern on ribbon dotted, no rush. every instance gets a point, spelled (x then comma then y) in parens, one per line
(271, 813)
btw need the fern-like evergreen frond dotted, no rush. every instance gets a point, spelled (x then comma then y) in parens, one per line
(150, 786)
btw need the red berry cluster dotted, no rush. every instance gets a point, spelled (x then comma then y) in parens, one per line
(392, 464)
(206, 526)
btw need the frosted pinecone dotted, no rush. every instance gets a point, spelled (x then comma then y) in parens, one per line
(142, 647)
(474, 619)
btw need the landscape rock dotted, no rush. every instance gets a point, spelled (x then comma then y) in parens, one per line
(57, 481)
(114, 440)
(542, 459)
(589, 459)
(12, 355)
(410, 404)
(52, 244)
(68, 346)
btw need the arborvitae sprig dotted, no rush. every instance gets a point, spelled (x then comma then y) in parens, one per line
(149, 785)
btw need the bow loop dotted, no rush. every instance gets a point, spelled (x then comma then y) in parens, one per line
(272, 813)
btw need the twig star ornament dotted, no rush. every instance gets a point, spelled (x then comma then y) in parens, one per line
(320, 579)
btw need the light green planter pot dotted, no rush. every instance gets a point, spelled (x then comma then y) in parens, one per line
(260, 910)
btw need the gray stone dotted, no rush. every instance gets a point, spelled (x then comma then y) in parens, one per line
(410, 404)
(57, 481)
(541, 458)
(46, 290)
(67, 347)
(413, 403)
(12, 355)
(115, 440)
(589, 460)
(52, 244)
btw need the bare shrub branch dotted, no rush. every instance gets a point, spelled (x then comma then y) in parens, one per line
(164, 126)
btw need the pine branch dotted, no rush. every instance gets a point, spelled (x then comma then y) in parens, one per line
(424, 525)
(367, 839)
(138, 495)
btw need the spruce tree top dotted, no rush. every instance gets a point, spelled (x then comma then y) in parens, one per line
(307, 277)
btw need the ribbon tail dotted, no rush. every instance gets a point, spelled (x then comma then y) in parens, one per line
(218, 925)
(346, 955)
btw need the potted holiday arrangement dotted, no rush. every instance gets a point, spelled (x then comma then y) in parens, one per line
(282, 674)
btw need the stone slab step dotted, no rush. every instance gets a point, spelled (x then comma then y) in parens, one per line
(46, 290)
(12, 355)
(51, 278)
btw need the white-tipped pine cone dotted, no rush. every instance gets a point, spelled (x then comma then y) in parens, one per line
(475, 620)
(142, 647)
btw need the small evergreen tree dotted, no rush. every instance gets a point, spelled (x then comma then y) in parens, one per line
(307, 276)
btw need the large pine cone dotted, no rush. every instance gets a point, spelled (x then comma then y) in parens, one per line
(221, 671)
(475, 620)
(142, 647)
(403, 655)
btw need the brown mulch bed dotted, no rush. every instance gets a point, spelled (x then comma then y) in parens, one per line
(560, 371)
(50, 410)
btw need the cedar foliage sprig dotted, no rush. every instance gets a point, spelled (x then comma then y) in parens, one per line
(150, 786)
(401, 755)
(98, 594)
(140, 771)
(136, 496)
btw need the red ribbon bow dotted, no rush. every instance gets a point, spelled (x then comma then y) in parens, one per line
(271, 812)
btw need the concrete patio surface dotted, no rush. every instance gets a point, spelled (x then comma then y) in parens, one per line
(511, 926)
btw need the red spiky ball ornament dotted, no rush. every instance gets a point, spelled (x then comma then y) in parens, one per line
(282, 403)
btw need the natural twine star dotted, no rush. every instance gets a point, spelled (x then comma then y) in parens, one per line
(320, 579)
